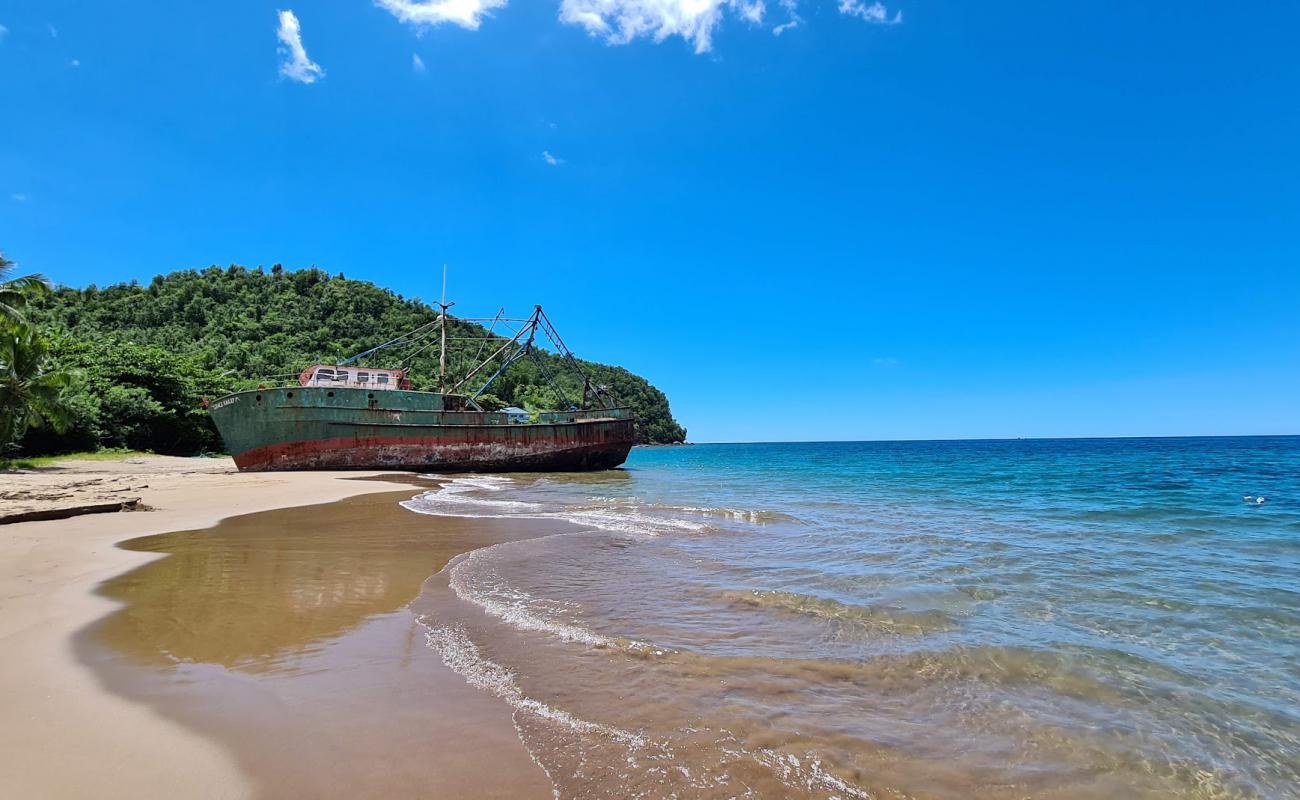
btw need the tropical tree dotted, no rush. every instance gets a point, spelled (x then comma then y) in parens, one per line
(142, 397)
(15, 291)
(30, 394)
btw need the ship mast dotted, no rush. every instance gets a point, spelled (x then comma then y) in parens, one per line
(442, 319)
(523, 344)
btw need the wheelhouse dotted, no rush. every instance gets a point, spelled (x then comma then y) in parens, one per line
(367, 378)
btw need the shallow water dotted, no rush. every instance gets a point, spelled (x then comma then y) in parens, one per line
(1073, 619)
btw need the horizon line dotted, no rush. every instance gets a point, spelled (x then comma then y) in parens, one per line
(994, 439)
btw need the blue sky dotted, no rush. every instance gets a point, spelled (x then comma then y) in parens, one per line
(927, 219)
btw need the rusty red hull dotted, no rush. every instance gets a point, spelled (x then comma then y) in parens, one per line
(347, 428)
(433, 454)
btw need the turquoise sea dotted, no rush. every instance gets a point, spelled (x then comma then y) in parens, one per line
(1041, 618)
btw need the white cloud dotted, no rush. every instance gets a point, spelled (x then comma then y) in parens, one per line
(18, 197)
(3, 31)
(76, 62)
(875, 12)
(885, 361)
(297, 66)
(621, 21)
(417, 64)
(550, 159)
(792, 9)
(428, 13)
(54, 32)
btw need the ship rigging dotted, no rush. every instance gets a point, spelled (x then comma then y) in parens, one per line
(522, 343)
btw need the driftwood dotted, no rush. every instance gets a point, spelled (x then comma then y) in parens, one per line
(131, 504)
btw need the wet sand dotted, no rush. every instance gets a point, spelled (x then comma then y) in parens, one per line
(285, 636)
(138, 724)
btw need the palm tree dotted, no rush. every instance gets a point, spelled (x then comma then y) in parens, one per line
(15, 291)
(30, 395)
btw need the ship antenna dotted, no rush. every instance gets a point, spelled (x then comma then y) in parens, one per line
(442, 318)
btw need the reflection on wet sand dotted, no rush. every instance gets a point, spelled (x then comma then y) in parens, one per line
(257, 590)
(284, 636)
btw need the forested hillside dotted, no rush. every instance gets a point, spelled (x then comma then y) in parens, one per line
(146, 355)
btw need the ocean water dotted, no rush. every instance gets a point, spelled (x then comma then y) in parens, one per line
(1003, 619)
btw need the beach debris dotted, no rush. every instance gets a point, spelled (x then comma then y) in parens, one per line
(133, 504)
(1250, 498)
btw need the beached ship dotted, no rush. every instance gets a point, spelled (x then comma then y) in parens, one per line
(345, 416)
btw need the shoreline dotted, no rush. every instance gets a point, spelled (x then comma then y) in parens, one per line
(289, 637)
(680, 631)
(66, 735)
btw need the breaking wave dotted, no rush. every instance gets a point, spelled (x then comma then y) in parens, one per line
(474, 578)
(462, 656)
(643, 766)
(472, 497)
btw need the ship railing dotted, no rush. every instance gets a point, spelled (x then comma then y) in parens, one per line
(584, 414)
(542, 418)
(468, 417)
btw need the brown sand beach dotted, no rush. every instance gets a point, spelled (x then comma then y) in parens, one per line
(270, 654)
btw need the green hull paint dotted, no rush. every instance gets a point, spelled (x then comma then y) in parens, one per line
(353, 428)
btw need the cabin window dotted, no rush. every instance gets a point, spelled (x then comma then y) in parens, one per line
(363, 377)
(324, 375)
(381, 378)
(341, 375)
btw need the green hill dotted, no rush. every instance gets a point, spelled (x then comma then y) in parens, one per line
(148, 355)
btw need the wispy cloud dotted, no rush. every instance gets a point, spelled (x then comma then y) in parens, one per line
(296, 66)
(621, 21)
(428, 13)
(876, 12)
(76, 62)
(18, 197)
(793, 20)
(550, 159)
(3, 32)
(54, 32)
(885, 361)
(417, 64)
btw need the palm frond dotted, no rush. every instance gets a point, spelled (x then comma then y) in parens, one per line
(35, 283)
(30, 396)
(9, 308)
